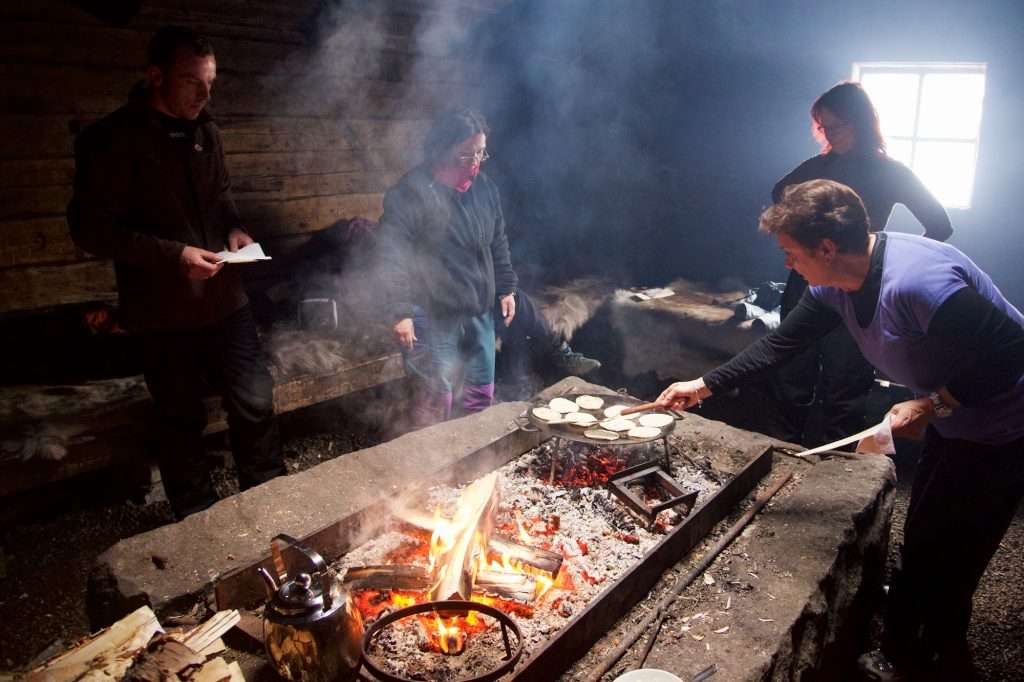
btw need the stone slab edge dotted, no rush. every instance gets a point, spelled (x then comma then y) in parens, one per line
(801, 582)
(168, 567)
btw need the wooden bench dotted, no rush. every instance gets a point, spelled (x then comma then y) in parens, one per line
(98, 423)
(80, 428)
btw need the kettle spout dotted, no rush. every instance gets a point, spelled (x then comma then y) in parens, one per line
(268, 581)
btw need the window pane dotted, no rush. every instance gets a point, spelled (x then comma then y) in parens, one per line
(900, 150)
(947, 169)
(951, 105)
(895, 98)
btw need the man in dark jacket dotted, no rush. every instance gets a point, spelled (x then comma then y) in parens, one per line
(152, 193)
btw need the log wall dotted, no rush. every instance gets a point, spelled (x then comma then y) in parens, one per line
(322, 106)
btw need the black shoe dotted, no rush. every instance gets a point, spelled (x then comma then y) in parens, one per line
(187, 500)
(567, 361)
(876, 667)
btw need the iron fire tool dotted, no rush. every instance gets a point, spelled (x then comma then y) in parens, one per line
(512, 654)
(649, 475)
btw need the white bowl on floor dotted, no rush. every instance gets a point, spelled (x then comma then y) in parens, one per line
(647, 675)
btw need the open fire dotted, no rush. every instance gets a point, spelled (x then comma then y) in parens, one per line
(538, 551)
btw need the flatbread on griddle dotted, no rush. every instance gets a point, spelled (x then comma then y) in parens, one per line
(618, 424)
(546, 414)
(580, 418)
(644, 432)
(589, 402)
(563, 405)
(656, 420)
(613, 411)
(601, 434)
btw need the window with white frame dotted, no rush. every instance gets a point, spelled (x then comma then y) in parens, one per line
(931, 118)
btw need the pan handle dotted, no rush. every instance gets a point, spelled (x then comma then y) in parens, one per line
(523, 422)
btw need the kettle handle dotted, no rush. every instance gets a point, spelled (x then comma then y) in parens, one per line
(317, 562)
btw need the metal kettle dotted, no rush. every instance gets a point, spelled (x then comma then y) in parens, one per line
(311, 629)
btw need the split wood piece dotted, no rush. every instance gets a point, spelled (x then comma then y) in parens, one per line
(104, 656)
(387, 578)
(657, 615)
(206, 638)
(517, 586)
(541, 559)
(474, 520)
(162, 659)
(643, 407)
(218, 670)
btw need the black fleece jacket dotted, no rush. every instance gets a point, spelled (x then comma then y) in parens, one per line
(145, 187)
(443, 250)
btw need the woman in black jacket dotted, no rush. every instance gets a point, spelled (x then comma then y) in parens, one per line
(448, 266)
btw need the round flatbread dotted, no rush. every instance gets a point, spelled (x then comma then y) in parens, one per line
(618, 424)
(589, 402)
(656, 420)
(546, 414)
(580, 419)
(562, 405)
(613, 411)
(644, 432)
(601, 434)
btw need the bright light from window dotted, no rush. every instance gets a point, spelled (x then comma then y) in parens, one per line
(931, 119)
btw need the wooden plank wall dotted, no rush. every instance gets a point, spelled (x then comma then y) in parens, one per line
(316, 124)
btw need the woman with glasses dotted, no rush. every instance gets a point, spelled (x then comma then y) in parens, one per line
(449, 268)
(833, 373)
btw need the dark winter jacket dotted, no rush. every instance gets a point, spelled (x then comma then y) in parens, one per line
(443, 250)
(145, 187)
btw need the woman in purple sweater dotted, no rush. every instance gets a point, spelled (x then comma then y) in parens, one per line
(924, 314)
(832, 373)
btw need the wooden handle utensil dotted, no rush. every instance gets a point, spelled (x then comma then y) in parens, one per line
(644, 407)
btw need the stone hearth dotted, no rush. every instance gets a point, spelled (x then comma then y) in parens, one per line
(794, 592)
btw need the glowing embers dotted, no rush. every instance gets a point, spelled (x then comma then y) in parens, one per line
(382, 640)
(648, 491)
(542, 556)
(461, 559)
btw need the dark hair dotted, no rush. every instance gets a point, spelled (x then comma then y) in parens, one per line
(165, 43)
(450, 128)
(850, 102)
(817, 210)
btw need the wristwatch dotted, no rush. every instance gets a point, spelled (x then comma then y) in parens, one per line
(942, 410)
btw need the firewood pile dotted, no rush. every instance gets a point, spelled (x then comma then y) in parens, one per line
(137, 648)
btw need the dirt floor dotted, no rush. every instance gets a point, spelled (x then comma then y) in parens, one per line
(48, 550)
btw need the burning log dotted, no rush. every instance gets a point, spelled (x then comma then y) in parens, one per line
(470, 528)
(543, 560)
(518, 586)
(387, 578)
(500, 545)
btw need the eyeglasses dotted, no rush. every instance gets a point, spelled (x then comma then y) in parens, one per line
(470, 159)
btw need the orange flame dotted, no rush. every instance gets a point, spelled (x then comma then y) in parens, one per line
(451, 638)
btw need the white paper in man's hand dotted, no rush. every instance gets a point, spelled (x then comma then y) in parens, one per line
(247, 254)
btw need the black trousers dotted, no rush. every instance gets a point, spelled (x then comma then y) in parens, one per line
(525, 341)
(181, 368)
(963, 499)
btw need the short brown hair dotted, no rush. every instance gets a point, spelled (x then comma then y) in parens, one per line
(817, 210)
(164, 44)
